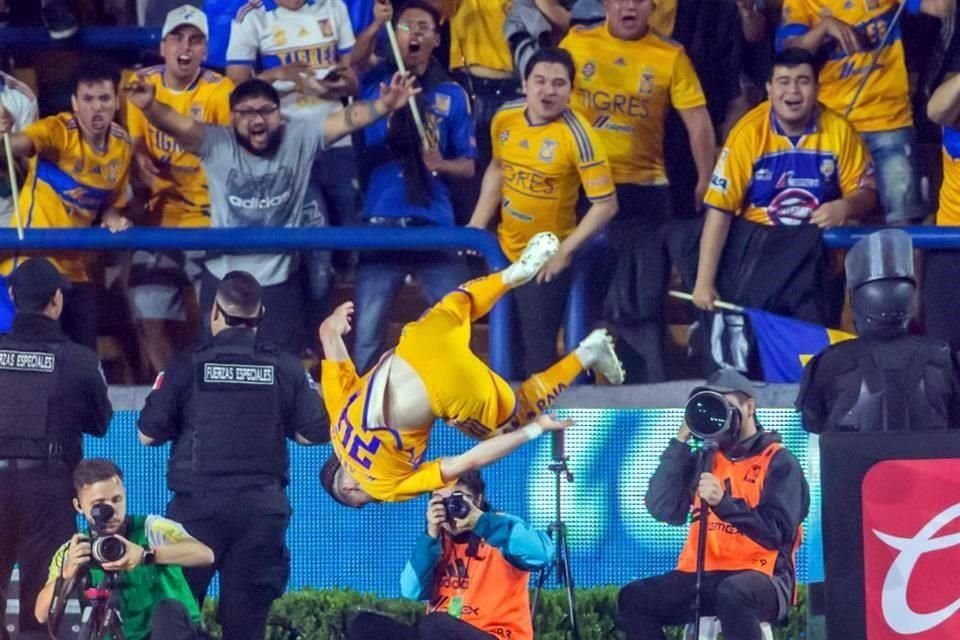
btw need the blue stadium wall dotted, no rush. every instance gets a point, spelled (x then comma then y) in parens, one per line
(613, 453)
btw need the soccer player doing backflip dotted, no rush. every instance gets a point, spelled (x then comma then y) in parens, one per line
(380, 423)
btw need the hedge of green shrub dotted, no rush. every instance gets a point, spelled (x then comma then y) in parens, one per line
(320, 615)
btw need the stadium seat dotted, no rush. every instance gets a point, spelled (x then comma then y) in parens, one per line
(710, 629)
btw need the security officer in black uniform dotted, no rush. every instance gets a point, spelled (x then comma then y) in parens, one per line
(51, 392)
(885, 380)
(229, 408)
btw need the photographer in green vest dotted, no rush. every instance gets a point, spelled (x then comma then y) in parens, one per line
(137, 556)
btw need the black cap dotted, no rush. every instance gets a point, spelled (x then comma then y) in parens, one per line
(728, 380)
(34, 283)
(328, 477)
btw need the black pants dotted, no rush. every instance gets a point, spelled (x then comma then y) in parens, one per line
(541, 310)
(37, 518)
(171, 621)
(941, 297)
(741, 599)
(283, 322)
(636, 281)
(443, 626)
(246, 530)
(81, 314)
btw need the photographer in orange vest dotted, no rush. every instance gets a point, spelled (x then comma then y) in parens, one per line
(757, 497)
(473, 565)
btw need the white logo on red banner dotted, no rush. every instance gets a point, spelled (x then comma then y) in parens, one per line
(911, 530)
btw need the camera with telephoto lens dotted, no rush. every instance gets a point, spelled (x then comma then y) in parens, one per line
(104, 547)
(456, 506)
(711, 418)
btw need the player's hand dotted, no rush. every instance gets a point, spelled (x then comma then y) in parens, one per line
(140, 93)
(433, 160)
(709, 489)
(830, 214)
(395, 95)
(704, 296)
(77, 556)
(548, 423)
(848, 38)
(382, 12)
(132, 559)
(555, 266)
(684, 434)
(436, 515)
(467, 524)
(6, 121)
(338, 322)
(115, 222)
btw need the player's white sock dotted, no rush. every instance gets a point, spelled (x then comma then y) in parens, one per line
(540, 248)
(596, 352)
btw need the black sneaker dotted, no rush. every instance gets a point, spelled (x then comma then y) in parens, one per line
(58, 19)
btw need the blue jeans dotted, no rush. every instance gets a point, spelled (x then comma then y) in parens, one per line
(897, 174)
(379, 279)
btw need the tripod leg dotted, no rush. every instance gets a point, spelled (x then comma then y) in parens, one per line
(567, 578)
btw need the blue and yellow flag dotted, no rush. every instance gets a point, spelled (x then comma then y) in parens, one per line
(786, 344)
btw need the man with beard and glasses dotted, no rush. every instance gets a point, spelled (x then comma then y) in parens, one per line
(257, 173)
(79, 175)
(406, 185)
(177, 186)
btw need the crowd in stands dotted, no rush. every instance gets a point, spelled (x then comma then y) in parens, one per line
(701, 145)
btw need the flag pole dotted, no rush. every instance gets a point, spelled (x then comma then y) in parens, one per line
(719, 304)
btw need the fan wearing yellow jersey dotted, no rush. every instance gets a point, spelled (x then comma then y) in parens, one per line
(79, 173)
(630, 77)
(851, 34)
(941, 296)
(790, 161)
(380, 423)
(177, 185)
(543, 153)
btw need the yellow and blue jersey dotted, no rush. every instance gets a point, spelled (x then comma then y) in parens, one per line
(884, 103)
(774, 179)
(388, 464)
(179, 197)
(948, 213)
(626, 89)
(70, 183)
(543, 168)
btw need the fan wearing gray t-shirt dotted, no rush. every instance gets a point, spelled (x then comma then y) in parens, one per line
(257, 172)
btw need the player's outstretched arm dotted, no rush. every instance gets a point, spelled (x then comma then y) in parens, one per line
(332, 331)
(185, 130)
(489, 451)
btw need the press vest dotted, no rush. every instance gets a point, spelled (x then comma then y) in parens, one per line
(728, 549)
(495, 593)
(234, 423)
(144, 586)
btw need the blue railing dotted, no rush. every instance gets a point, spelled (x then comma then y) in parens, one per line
(102, 38)
(278, 239)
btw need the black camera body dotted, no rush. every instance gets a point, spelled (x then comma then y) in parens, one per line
(456, 506)
(104, 547)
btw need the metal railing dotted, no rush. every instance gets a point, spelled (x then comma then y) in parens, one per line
(261, 239)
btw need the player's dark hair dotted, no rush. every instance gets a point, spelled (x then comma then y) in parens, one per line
(94, 70)
(93, 470)
(422, 6)
(239, 298)
(794, 57)
(253, 88)
(551, 55)
(473, 481)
